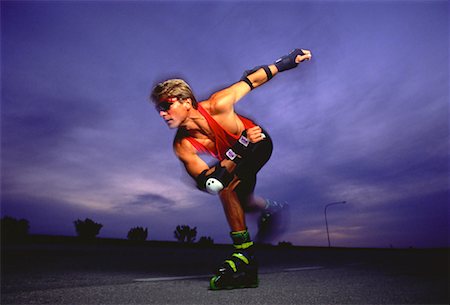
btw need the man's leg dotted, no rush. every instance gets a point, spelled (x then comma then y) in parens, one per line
(274, 215)
(240, 269)
(273, 221)
(255, 203)
(247, 172)
(232, 207)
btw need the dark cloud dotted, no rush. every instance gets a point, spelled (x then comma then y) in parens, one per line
(47, 118)
(153, 200)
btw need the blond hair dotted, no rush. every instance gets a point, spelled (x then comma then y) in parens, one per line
(173, 88)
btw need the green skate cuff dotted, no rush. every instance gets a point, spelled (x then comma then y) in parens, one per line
(243, 246)
(241, 239)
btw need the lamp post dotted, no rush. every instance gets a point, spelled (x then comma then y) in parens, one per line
(326, 221)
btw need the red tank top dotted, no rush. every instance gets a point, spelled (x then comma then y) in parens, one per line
(224, 139)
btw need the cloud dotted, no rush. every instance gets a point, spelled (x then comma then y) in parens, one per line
(148, 199)
(154, 201)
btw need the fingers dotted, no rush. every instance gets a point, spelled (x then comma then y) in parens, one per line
(301, 58)
(254, 129)
(255, 134)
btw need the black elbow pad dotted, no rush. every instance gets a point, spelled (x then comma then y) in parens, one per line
(265, 68)
(216, 181)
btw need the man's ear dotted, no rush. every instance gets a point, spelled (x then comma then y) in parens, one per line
(187, 103)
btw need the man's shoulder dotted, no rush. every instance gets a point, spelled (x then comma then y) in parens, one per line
(214, 106)
(182, 144)
(180, 135)
(206, 105)
(182, 138)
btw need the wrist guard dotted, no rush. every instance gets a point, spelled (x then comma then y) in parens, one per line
(216, 181)
(288, 61)
(240, 149)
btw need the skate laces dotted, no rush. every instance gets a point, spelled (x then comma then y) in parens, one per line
(274, 206)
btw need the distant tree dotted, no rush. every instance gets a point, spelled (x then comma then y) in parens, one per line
(206, 241)
(137, 234)
(87, 229)
(285, 244)
(14, 229)
(185, 234)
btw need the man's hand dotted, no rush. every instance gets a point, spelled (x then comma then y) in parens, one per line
(301, 58)
(244, 145)
(292, 60)
(255, 134)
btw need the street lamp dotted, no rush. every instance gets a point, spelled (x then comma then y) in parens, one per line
(326, 221)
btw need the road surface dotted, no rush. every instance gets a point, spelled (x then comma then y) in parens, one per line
(169, 274)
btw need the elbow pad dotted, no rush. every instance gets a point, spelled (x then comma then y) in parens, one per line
(288, 61)
(216, 181)
(245, 79)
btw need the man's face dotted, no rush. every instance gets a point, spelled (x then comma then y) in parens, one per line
(172, 111)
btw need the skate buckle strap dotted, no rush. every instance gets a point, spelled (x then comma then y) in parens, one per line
(243, 246)
(232, 264)
(241, 257)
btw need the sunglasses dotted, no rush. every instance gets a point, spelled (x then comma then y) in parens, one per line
(165, 105)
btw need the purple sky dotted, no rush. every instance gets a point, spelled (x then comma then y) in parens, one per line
(366, 121)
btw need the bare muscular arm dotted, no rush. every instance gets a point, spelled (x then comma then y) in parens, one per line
(224, 100)
(193, 163)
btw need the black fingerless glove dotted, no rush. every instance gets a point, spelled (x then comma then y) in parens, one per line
(287, 62)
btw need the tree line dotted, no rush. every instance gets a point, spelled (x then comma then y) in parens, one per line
(16, 230)
(13, 229)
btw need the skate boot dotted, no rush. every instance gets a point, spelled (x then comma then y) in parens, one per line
(273, 221)
(240, 270)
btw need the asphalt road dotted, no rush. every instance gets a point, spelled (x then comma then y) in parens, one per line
(167, 274)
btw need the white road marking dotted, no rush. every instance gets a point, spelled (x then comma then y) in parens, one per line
(173, 278)
(190, 277)
(303, 268)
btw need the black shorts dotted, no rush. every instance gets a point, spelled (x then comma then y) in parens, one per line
(249, 167)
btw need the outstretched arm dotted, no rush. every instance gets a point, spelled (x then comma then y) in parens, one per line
(226, 98)
(260, 75)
